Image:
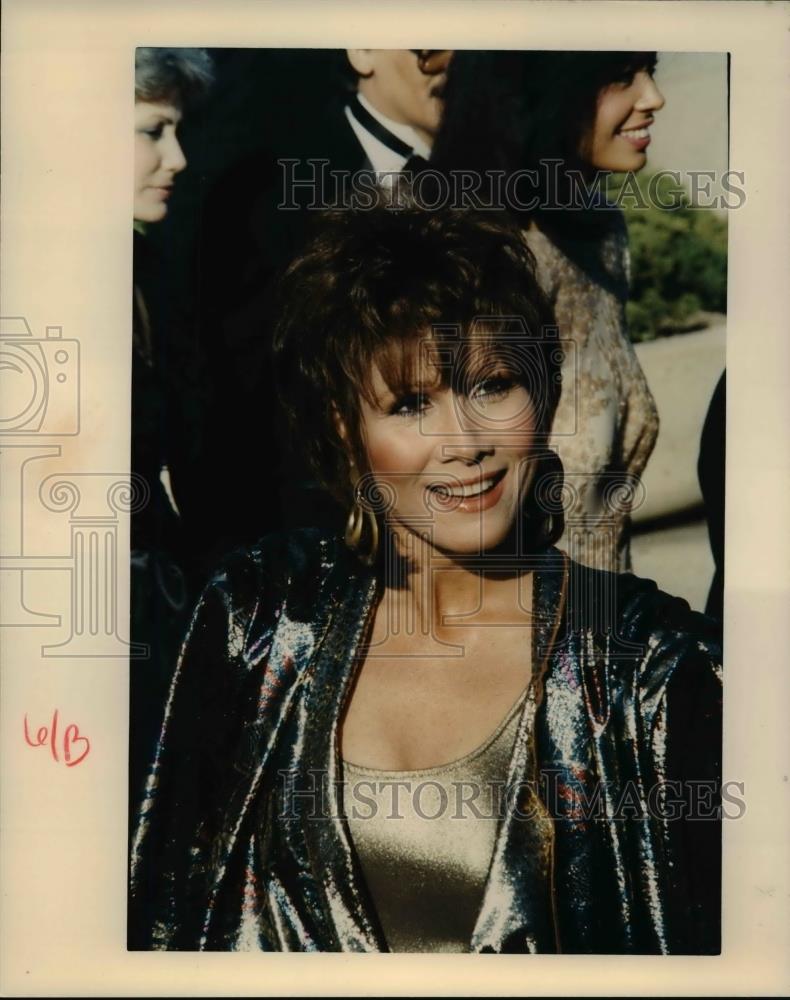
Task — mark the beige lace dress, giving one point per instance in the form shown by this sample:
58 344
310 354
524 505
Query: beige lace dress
606 423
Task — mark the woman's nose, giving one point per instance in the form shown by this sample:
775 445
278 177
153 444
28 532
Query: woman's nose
463 435
174 159
650 97
469 455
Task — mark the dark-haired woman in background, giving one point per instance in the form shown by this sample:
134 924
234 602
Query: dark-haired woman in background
569 116
164 398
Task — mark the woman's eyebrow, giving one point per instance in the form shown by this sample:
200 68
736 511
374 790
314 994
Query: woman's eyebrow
416 386
160 118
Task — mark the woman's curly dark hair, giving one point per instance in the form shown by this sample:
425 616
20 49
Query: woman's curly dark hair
375 286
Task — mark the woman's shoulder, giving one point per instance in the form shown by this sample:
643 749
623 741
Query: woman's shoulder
639 610
646 652
594 257
550 261
279 559
286 576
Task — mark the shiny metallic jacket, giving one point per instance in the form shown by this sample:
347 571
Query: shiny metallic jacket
241 842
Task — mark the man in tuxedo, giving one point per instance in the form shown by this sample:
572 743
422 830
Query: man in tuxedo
252 224
398 104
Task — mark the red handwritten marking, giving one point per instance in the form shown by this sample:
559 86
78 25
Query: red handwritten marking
71 736
69 740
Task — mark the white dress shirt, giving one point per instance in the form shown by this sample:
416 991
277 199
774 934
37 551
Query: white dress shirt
386 161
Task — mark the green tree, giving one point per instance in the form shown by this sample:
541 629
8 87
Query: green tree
678 257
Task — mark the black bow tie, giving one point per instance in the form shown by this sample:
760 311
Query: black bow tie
414 162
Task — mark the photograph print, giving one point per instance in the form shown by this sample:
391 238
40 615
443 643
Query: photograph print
428 402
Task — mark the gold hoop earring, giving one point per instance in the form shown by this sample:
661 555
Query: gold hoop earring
353 534
355 526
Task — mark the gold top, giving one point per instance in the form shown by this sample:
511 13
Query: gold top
425 840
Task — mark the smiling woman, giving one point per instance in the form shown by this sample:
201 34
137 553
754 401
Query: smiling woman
421 736
480 411
623 117
565 120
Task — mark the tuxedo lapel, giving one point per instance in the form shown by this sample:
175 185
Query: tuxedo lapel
333 139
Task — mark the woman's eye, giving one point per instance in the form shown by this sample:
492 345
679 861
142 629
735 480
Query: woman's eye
492 389
155 133
409 405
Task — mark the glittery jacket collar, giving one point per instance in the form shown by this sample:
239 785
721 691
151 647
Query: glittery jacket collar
241 843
